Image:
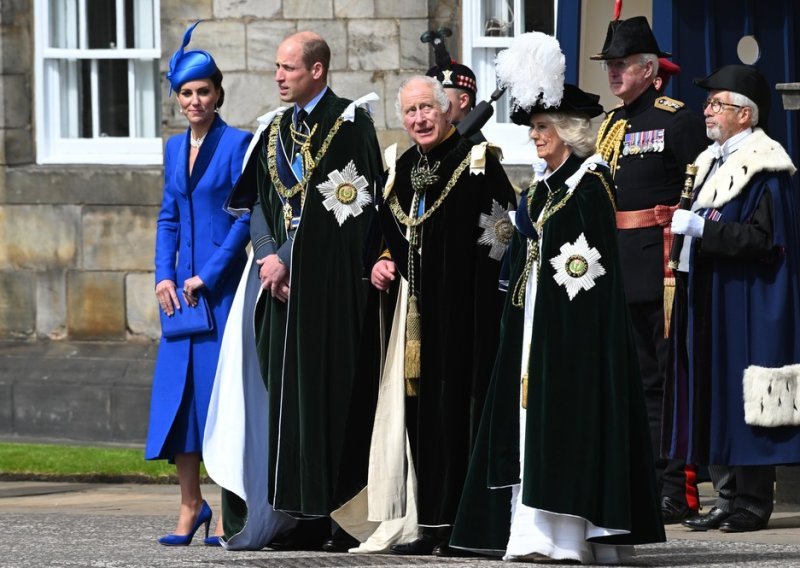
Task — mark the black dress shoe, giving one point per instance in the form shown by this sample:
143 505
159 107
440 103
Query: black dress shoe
743 521
423 546
306 535
340 542
674 511
712 520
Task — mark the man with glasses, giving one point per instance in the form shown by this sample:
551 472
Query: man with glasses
741 249
648 141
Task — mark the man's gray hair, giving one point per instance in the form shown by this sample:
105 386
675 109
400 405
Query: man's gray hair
645 57
438 93
744 101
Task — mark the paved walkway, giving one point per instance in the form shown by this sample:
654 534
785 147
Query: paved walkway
115 526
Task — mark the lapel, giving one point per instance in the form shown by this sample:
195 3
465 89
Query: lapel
206 152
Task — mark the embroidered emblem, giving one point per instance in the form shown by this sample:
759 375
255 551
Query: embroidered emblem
345 192
668 104
447 77
497 230
577 267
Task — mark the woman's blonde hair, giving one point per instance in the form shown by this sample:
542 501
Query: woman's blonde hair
576 131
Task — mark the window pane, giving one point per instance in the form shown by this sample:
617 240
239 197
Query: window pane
101 23
148 107
540 16
497 18
73 111
112 88
64 23
139 29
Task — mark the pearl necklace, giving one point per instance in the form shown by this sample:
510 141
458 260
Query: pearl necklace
196 142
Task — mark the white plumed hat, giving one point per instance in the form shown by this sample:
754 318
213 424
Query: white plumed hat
532 69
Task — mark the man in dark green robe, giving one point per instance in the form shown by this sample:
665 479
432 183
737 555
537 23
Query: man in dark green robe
444 224
312 177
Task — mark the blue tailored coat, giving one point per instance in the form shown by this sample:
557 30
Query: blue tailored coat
195 236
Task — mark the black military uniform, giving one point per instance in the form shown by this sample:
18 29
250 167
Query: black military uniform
648 144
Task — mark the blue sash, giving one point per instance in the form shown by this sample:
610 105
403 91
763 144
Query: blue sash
288 178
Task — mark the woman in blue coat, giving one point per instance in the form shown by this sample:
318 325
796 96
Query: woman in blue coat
200 251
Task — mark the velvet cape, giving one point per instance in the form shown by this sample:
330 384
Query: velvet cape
195 236
587 450
460 306
741 312
308 347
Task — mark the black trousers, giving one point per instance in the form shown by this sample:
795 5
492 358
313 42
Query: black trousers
750 487
675 480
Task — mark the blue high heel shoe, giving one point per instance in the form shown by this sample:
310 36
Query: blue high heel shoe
204 518
213 541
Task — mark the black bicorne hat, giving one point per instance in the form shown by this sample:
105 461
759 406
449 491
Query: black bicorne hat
574 101
625 37
455 75
743 79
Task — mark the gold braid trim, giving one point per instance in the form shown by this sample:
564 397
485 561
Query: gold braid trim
607 187
609 140
401 216
309 165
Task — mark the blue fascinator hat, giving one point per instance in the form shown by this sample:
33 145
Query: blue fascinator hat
189 65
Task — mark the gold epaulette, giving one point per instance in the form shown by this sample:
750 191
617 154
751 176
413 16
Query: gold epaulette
669 104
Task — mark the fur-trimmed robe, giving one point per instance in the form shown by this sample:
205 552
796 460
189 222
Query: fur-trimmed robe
744 306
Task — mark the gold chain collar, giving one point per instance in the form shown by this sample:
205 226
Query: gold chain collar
401 216
309 164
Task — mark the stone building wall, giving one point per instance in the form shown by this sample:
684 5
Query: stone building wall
76 242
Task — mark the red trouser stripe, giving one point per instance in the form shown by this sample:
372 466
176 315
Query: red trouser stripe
692 497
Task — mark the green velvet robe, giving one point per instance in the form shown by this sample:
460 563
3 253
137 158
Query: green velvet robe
587 448
456 279
308 347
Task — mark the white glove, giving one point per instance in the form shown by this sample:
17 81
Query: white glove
687 223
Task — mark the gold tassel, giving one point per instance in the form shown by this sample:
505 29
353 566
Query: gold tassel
413 347
669 296
524 393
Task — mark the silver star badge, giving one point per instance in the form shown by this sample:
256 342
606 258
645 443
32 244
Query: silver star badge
345 192
497 230
577 267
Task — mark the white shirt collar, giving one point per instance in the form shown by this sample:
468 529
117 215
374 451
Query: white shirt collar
731 144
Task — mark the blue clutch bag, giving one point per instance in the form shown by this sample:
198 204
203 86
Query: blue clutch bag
188 320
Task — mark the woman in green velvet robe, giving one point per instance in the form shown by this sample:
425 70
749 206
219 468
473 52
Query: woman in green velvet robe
564 432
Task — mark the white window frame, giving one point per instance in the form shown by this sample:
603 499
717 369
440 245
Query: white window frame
512 138
51 147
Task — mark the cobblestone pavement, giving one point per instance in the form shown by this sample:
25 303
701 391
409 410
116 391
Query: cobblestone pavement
115 526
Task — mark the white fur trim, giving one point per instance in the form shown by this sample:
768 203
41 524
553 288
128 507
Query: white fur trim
772 396
758 153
